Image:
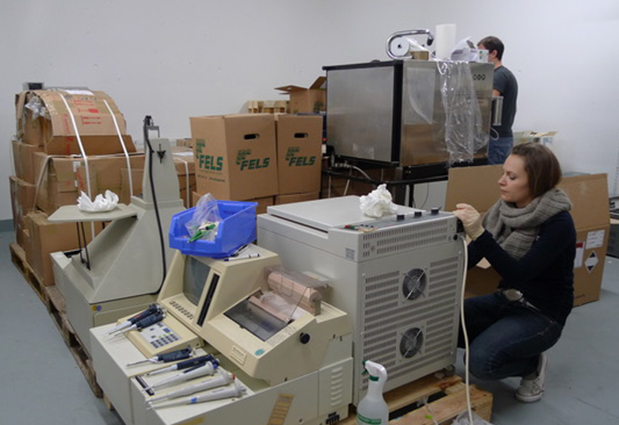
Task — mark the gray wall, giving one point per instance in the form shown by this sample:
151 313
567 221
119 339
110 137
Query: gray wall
173 60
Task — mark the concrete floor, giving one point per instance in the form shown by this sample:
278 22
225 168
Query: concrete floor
40 382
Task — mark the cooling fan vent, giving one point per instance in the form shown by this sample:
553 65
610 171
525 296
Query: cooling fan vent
414 284
411 342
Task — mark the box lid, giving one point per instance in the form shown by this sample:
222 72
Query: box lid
318 84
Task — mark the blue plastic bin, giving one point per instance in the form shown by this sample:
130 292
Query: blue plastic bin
238 227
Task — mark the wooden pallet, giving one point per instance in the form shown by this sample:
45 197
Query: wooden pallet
18 257
56 308
431 399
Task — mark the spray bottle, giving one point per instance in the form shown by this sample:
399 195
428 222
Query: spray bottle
372 409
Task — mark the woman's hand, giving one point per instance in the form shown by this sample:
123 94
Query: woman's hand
471 220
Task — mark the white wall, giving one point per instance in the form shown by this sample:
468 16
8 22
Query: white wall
173 60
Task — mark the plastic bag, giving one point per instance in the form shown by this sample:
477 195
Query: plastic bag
100 204
205 220
463 419
465 51
378 203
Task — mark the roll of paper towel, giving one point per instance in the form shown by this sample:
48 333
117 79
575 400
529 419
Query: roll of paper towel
445 40
399 46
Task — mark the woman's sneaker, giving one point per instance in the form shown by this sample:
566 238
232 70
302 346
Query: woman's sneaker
532 387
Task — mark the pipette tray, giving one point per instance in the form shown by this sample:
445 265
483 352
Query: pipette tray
236 228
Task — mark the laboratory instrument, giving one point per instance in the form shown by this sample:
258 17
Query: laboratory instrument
234 390
152 309
373 409
397 277
126 268
221 379
186 364
399 45
268 326
396 113
142 323
205 369
183 353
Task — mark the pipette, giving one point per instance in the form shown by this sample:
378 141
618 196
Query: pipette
223 378
234 390
143 323
206 369
186 364
183 353
152 309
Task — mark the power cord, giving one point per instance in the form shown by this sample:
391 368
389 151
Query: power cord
148 125
464 333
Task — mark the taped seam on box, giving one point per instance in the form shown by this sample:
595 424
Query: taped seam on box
122 143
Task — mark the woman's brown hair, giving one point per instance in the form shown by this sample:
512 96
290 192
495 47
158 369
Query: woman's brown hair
541 166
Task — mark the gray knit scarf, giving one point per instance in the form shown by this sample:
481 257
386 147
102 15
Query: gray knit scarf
515 229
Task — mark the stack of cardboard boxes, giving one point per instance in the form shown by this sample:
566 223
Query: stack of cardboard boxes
264 158
50 169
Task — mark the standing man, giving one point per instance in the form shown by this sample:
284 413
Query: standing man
505 84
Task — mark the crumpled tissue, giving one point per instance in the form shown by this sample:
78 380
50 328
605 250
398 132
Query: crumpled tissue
100 204
378 203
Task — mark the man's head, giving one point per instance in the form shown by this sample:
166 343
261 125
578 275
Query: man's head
492 45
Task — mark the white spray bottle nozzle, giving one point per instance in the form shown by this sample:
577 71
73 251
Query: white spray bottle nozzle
376 370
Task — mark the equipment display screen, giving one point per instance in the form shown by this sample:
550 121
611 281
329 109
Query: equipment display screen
194 278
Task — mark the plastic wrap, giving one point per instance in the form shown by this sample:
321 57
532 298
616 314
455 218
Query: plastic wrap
463 123
205 220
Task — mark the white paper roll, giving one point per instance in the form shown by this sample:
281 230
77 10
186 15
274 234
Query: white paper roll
445 40
399 46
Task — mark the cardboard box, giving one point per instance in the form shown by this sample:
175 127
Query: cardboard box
299 153
22 202
45 238
589 195
23 160
44 120
184 143
267 106
545 138
66 177
235 156
303 100
186 171
296 197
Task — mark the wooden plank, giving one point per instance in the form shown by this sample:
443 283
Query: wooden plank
449 400
18 257
56 309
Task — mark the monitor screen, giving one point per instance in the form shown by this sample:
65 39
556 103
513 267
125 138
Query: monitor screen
194 278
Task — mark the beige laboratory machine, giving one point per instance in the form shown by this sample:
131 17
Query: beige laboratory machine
289 351
122 269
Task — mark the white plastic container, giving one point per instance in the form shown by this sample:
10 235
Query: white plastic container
372 408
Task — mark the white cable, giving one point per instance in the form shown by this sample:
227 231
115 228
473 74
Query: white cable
466 337
122 143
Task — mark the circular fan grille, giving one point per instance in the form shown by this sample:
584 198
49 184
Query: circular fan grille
414 284
411 342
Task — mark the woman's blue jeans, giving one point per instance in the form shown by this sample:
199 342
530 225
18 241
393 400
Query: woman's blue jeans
505 338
